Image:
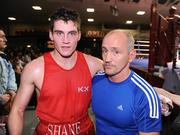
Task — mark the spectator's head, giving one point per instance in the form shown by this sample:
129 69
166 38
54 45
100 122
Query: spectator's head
172 11
3 40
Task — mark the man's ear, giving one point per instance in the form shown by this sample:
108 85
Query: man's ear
50 35
132 55
79 35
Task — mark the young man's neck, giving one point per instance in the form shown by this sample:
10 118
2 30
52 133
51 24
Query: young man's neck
65 62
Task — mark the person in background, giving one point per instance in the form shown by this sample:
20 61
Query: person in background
176 100
8 85
123 102
18 70
173 15
62 80
174 97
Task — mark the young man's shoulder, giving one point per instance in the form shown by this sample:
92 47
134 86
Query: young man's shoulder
93 60
95 64
35 64
90 57
33 72
37 61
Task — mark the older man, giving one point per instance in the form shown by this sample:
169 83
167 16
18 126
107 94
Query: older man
123 102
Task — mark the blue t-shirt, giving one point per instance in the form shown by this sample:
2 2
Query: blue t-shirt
125 108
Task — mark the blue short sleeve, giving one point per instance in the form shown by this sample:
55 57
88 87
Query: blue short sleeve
147 116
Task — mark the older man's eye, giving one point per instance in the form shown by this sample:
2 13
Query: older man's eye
104 51
117 52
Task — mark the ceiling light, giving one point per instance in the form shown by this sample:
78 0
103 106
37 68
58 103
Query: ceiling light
90 9
90 20
36 7
140 12
12 18
49 19
129 22
28 46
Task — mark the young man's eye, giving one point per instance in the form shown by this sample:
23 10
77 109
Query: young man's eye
59 33
73 33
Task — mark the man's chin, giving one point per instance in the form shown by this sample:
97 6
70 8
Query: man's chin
109 73
3 47
67 55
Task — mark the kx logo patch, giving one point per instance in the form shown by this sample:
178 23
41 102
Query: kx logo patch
83 89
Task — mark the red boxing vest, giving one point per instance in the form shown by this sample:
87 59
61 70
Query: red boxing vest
64 98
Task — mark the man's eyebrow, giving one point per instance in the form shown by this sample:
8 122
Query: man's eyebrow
58 31
67 31
115 48
73 31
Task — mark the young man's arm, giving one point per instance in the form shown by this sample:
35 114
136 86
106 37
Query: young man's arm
23 96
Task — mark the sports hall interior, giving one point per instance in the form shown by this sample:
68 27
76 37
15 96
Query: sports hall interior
156 31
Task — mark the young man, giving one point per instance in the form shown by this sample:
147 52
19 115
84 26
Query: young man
8 85
123 102
62 79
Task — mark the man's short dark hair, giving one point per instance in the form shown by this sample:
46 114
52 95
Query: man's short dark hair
66 15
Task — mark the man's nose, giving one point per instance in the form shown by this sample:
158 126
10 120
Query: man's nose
108 57
65 38
5 39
